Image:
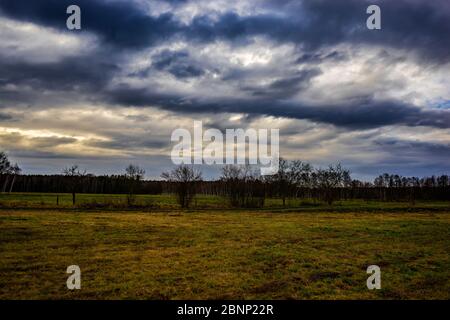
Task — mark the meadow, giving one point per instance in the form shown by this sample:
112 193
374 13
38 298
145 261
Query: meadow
305 251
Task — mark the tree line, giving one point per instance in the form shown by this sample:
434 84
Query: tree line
241 185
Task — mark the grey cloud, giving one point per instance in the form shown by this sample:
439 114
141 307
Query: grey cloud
131 142
122 24
16 139
285 87
418 26
413 25
77 76
178 63
415 150
319 57
408 158
49 142
357 114
5 117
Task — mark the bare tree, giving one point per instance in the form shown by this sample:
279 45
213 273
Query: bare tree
15 170
134 174
243 186
234 178
301 177
302 172
292 176
75 177
329 179
185 179
284 179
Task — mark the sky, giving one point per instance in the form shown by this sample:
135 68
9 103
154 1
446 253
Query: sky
112 93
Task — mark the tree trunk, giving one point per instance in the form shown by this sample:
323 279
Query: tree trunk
5 184
73 198
12 184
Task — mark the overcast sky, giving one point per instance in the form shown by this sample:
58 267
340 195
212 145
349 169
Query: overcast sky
111 94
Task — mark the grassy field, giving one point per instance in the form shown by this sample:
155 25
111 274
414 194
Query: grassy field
166 202
220 254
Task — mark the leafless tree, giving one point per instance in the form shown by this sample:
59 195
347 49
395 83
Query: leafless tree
185 178
331 178
134 174
76 178
284 179
243 186
291 178
15 170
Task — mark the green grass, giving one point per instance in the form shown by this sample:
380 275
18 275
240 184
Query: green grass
49 200
212 254
203 202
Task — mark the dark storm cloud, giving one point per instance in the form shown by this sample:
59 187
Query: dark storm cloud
412 25
75 75
293 84
5 116
231 27
407 24
121 23
285 87
315 58
131 142
415 25
361 114
62 75
415 149
413 157
177 63
372 114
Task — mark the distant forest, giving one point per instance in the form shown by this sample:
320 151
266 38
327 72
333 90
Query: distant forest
241 184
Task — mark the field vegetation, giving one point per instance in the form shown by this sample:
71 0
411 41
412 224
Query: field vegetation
307 251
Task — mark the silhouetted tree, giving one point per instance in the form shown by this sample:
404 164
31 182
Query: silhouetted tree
15 170
302 178
242 186
134 174
291 177
443 181
185 179
329 179
75 177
